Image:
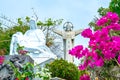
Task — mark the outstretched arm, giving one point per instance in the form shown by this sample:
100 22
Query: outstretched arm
13 45
57 32
78 32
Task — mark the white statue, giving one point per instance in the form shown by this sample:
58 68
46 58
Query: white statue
16 38
34 42
34 37
68 36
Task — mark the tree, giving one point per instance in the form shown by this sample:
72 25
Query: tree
47 27
6 34
114 6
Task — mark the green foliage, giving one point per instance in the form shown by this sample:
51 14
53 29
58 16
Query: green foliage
0 24
108 72
30 71
115 6
47 26
19 47
42 73
102 11
27 18
49 22
26 71
63 69
6 34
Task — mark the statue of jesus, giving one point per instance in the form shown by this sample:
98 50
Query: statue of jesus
68 36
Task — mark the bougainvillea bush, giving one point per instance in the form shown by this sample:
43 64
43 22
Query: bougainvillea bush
104 44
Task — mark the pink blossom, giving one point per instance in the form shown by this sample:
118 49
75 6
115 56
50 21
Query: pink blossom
83 66
103 35
22 52
76 51
119 59
99 62
108 52
96 36
72 52
26 78
113 17
85 77
102 21
116 38
114 26
92 64
87 33
94 58
116 42
92 44
95 55
2 58
16 79
84 52
103 45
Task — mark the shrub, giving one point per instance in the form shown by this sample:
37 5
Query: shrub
63 69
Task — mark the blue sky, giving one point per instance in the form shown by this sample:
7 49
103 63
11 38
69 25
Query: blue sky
79 12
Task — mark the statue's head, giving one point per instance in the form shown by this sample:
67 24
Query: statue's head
32 25
68 26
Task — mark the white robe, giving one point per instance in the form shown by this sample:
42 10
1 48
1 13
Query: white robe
34 42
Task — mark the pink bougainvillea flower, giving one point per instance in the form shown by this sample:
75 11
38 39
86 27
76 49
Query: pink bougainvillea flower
85 51
116 38
96 36
87 33
99 62
95 55
113 17
26 78
116 42
72 52
92 44
104 45
2 58
115 26
103 35
85 77
119 59
16 79
108 50
22 52
76 51
83 66
102 21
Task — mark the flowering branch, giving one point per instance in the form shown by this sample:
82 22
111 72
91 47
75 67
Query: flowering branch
104 46
117 62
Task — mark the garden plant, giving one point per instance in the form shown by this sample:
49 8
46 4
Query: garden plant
61 68
103 50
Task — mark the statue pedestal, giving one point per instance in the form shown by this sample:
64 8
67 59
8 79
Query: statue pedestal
41 59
